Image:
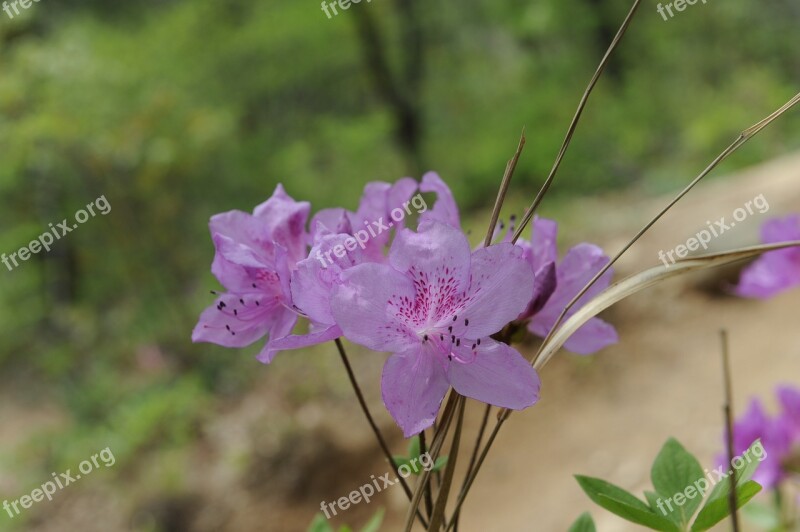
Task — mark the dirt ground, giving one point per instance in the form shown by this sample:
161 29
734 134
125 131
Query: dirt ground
255 468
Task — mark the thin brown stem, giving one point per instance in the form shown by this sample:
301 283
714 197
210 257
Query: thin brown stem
471 478
743 137
381 441
511 165
473 459
450 408
575 119
428 496
438 519
726 372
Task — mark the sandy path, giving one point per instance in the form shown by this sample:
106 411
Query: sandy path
608 415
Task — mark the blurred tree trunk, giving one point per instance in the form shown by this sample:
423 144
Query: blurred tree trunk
606 26
401 92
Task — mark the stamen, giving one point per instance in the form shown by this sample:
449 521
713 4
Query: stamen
466 323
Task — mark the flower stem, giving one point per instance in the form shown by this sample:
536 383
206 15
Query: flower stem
374 426
427 487
726 374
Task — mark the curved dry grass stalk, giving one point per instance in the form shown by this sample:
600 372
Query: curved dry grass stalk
638 282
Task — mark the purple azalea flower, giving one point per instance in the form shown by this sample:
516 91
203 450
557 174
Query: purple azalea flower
375 208
434 306
313 281
312 285
775 271
373 217
775 438
445 209
789 399
255 254
557 284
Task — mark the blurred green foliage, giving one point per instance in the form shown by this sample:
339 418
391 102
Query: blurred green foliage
176 110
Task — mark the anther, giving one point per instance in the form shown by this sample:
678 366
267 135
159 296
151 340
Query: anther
466 323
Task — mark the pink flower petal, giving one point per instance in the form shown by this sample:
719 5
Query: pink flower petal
413 386
498 375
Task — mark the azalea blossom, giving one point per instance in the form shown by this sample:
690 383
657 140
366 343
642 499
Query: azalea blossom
312 285
776 271
779 435
375 206
314 279
255 254
434 306
445 209
558 282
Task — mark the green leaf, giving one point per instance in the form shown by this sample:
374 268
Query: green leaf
717 509
320 524
652 500
374 524
345 528
400 460
440 463
745 473
675 474
583 524
413 447
619 502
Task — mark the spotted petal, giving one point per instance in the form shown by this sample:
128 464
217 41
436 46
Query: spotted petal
413 386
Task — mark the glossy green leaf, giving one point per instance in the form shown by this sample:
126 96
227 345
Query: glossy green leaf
717 509
675 474
374 524
320 524
583 524
619 502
